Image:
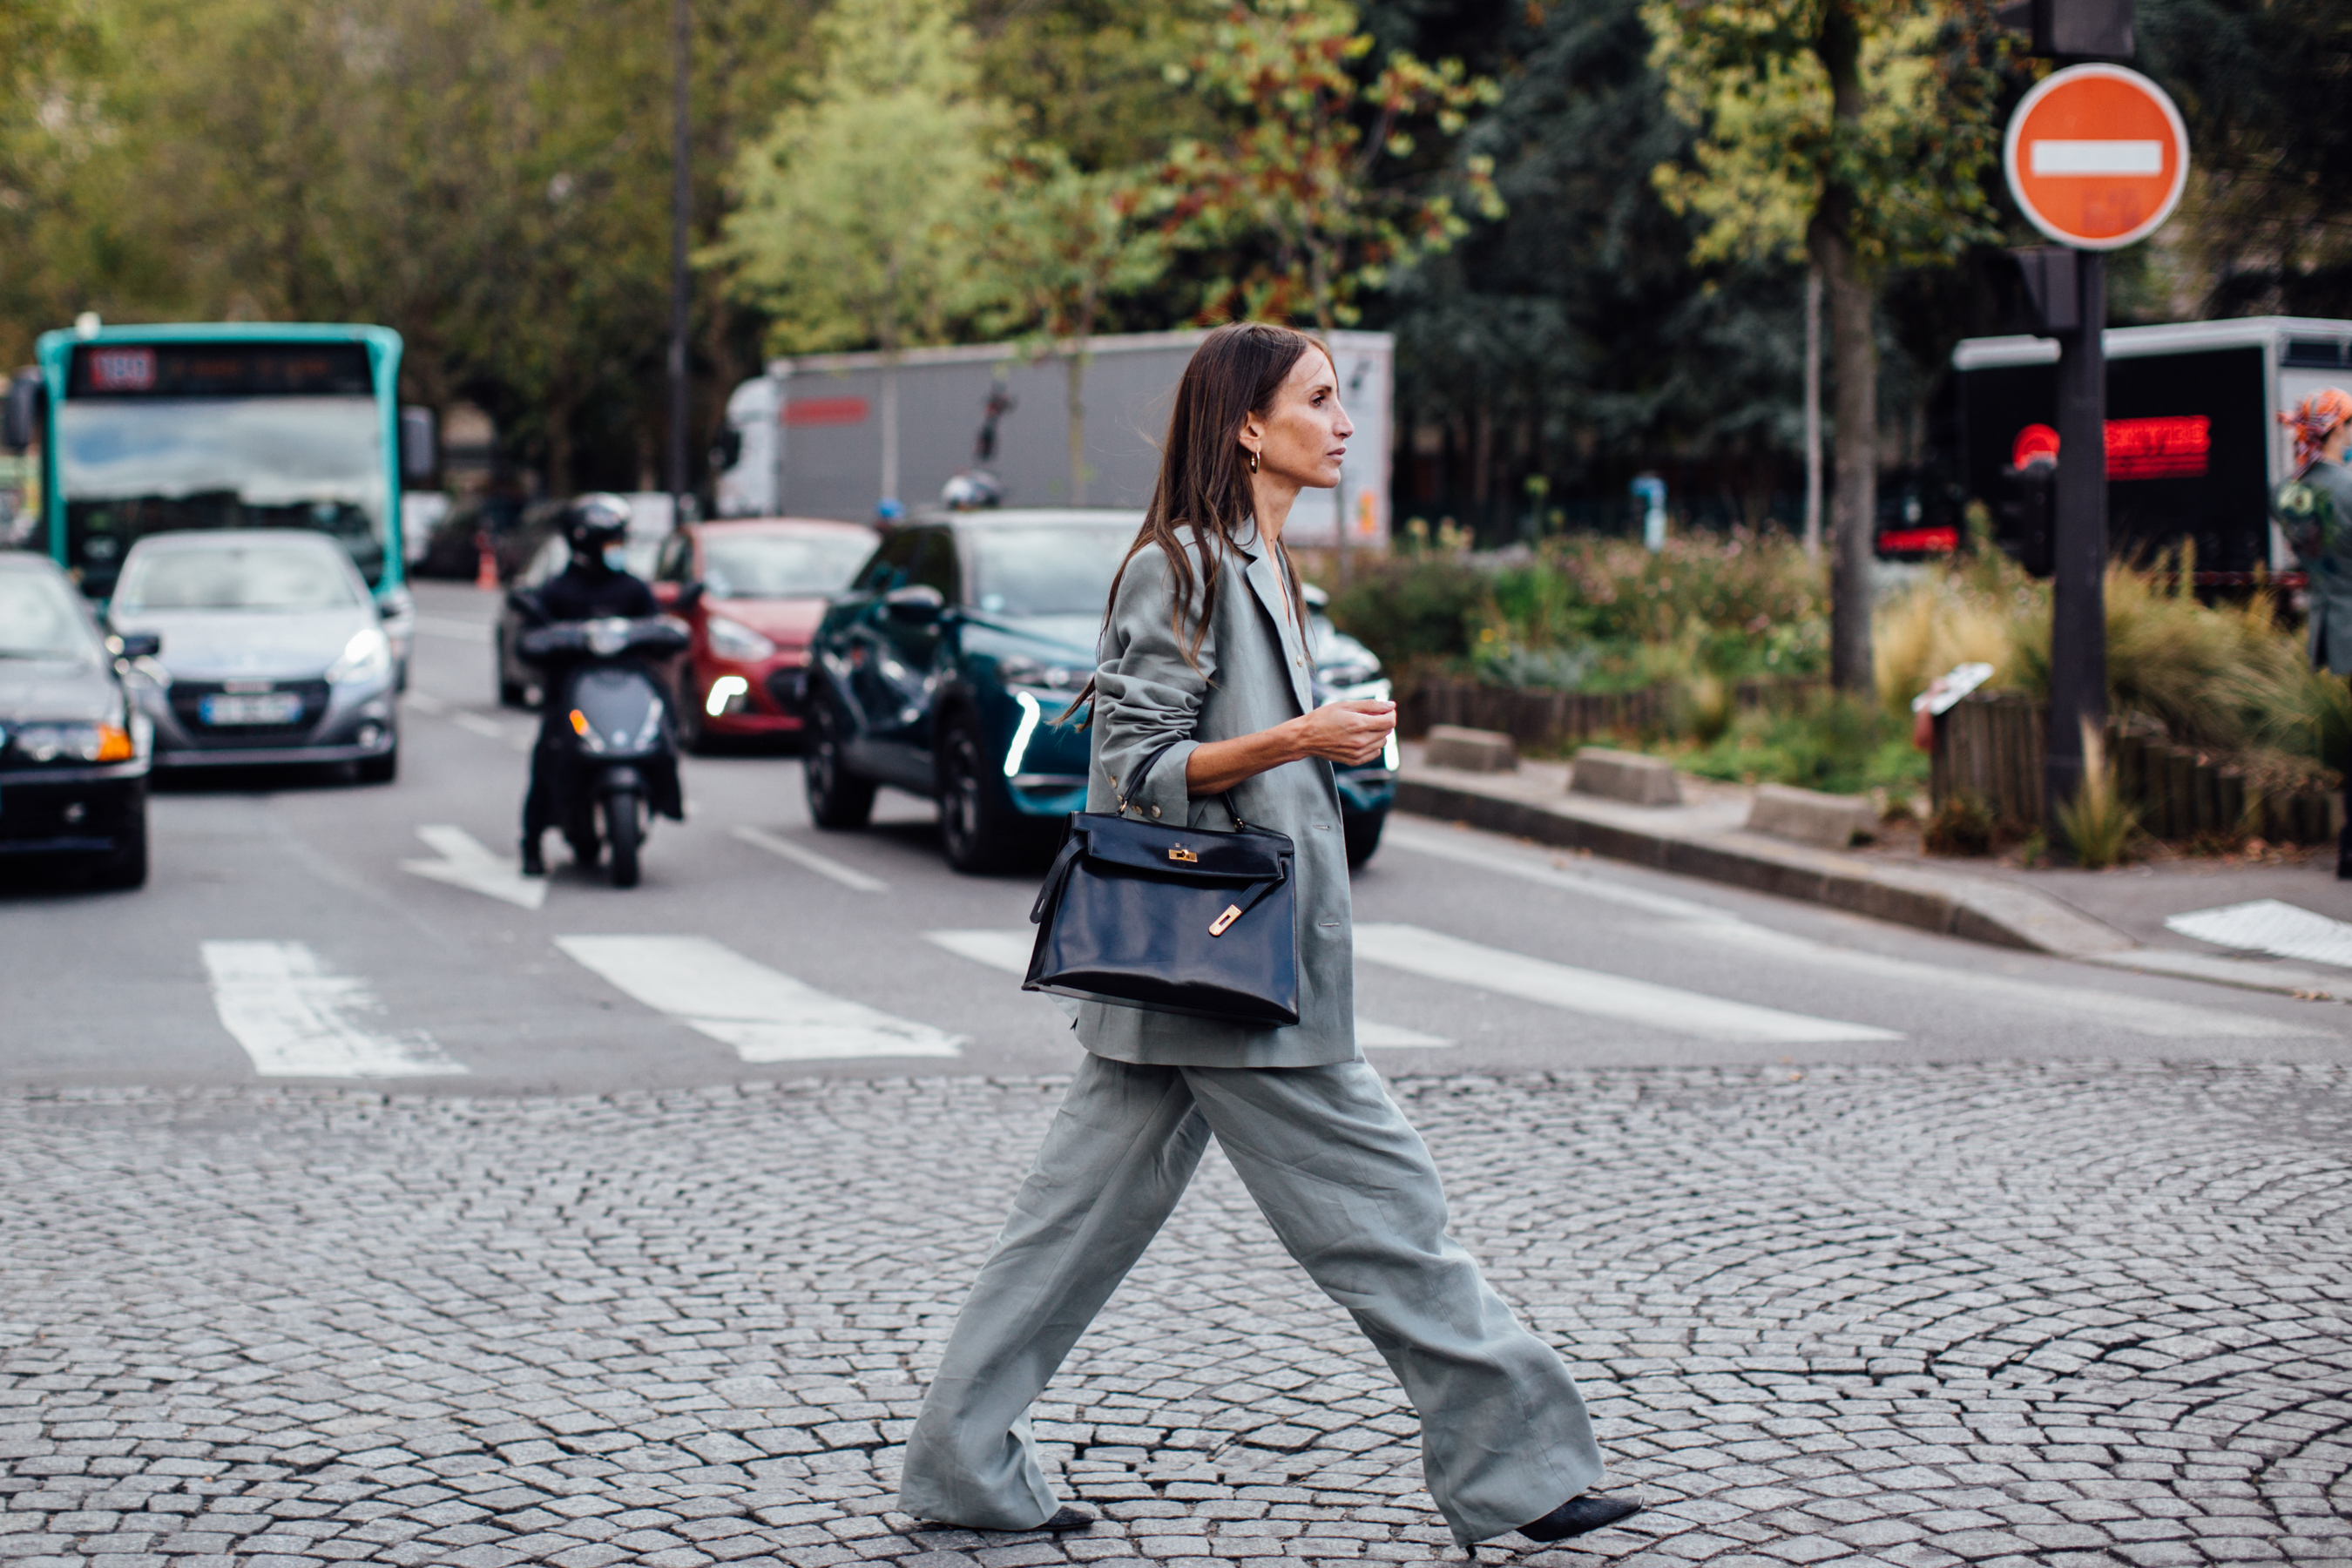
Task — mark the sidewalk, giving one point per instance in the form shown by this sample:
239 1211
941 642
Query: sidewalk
2115 917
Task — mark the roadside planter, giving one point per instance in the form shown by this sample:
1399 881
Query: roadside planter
1988 747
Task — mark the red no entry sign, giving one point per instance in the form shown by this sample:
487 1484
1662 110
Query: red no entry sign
2098 156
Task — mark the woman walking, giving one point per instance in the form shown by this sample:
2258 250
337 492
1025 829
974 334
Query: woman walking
1203 689
2323 430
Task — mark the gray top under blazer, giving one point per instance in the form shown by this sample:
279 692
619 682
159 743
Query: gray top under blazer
1253 672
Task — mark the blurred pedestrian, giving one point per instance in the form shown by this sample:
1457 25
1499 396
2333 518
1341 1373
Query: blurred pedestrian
1205 675
2318 505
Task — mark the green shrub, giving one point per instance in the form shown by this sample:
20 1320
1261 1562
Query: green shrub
2097 825
1961 826
1832 742
1412 608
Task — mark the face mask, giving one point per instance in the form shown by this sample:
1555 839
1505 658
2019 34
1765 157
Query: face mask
616 558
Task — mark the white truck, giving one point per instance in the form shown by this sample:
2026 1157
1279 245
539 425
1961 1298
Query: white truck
2194 441
838 435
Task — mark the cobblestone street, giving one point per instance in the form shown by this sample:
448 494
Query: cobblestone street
1994 1314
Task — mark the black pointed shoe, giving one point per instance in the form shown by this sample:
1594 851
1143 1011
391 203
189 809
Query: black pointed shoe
1579 1516
1067 1518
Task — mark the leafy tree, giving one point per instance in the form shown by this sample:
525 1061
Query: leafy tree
861 211
2263 85
1290 190
1856 132
1293 175
1573 341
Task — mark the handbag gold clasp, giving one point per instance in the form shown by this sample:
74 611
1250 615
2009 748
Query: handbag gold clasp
1186 856
1217 926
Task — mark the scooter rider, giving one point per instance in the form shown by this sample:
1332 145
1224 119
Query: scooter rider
595 584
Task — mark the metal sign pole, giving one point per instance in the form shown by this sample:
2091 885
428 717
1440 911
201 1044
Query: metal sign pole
681 214
2078 621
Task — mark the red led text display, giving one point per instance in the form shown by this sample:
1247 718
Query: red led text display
2175 446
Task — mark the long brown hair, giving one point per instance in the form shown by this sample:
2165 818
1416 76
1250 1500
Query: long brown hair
1203 483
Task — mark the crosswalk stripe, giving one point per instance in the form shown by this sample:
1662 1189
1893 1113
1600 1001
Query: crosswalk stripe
1663 1007
1703 924
466 862
1008 950
765 1014
2270 925
489 729
297 1019
823 864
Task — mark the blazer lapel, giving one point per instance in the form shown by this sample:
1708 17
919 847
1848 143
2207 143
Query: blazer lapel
1261 572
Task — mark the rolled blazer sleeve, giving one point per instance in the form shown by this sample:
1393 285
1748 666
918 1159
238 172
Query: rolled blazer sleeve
1147 693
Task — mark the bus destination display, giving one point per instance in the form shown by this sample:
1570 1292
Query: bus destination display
219 370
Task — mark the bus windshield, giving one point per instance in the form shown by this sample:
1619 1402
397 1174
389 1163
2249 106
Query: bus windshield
130 467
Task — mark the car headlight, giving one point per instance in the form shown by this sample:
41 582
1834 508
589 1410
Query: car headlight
73 743
732 640
1020 671
367 657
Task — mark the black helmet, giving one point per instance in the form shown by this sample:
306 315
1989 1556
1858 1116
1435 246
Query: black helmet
593 521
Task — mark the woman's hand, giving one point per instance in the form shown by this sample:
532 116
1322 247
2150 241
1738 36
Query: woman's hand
1349 733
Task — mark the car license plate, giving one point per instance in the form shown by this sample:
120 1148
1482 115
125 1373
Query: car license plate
259 708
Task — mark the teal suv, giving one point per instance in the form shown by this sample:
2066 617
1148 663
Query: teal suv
946 668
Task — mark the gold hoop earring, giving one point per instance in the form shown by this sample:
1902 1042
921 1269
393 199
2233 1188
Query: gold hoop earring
1253 456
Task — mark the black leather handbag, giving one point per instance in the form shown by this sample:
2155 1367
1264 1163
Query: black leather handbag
1172 920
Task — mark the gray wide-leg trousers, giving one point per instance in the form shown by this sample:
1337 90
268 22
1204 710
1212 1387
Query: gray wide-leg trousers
1349 1188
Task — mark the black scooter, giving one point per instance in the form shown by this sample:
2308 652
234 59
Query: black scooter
616 755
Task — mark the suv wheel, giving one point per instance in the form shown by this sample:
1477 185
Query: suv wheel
838 798
978 827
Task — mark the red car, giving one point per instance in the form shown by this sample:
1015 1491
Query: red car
752 589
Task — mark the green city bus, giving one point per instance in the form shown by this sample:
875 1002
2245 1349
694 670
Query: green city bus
149 429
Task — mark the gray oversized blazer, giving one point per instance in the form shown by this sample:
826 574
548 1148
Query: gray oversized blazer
1255 671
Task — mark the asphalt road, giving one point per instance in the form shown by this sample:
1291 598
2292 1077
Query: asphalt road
303 927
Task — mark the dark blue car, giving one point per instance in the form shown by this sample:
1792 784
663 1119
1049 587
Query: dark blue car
945 668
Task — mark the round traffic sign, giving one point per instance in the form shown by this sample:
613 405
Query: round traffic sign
2098 156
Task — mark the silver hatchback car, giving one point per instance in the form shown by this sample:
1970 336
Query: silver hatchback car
273 651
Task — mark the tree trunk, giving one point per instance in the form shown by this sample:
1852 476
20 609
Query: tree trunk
1854 352
1075 366
890 430
1813 411
559 447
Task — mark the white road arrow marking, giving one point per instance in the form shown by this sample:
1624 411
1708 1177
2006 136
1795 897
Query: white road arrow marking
767 1016
1588 991
2270 925
465 863
1008 950
849 876
295 1019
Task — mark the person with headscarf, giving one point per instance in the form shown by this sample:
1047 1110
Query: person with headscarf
2316 505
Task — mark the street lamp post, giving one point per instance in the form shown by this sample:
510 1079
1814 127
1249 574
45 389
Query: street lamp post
681 212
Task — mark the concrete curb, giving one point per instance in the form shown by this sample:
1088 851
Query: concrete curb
1698 844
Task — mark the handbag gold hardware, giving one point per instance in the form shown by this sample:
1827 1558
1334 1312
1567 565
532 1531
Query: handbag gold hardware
1233 912
1186 856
